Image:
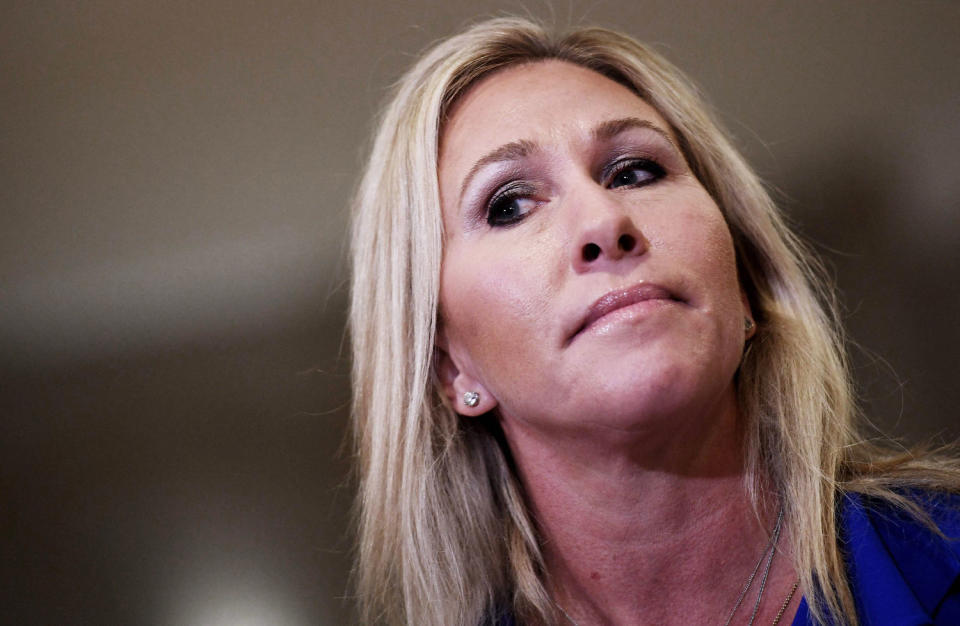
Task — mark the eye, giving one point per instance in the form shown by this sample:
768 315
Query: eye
634 173
510 206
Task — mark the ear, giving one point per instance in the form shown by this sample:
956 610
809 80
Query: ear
750 325
457 383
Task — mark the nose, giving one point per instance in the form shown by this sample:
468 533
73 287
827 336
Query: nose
605 237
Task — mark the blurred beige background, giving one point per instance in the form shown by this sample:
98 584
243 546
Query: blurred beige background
173 201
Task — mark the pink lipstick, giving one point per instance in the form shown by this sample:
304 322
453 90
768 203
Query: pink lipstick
619 299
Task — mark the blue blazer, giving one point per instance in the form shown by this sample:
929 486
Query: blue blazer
901 573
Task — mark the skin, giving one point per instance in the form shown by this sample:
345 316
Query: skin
624 432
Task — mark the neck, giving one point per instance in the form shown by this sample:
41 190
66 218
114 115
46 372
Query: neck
641 529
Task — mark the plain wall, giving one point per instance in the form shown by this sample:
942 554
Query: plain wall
175 182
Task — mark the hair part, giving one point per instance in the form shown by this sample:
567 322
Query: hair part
444 532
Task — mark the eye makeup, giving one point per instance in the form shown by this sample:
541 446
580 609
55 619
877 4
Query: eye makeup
639 144
624 173
510 204
620 155
494 189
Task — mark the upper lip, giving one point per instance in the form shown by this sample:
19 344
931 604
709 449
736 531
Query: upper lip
619 298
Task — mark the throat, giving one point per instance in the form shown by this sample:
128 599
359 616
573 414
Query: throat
640 553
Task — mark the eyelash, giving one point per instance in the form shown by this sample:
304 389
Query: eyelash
502 199
514 191
655 170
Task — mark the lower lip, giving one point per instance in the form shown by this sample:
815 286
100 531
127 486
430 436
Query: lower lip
638 310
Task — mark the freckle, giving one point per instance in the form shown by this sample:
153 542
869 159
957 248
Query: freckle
595 575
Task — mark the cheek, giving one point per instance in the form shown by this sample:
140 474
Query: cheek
494 305
699 239
713 259
697 236
717 267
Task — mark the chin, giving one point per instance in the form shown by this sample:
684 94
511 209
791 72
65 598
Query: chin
641 395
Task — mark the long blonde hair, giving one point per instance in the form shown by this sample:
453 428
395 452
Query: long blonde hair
444 534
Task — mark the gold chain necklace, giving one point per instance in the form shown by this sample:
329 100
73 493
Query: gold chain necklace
786 603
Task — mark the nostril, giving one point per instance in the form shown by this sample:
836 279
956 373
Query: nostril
590 252
626 242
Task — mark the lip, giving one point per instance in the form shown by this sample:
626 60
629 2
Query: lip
619 299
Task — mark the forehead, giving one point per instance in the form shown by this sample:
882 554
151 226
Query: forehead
545 102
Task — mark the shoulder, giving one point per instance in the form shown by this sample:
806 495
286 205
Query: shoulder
901 571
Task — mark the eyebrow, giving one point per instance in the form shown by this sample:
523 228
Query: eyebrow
516 150
604 131
513 151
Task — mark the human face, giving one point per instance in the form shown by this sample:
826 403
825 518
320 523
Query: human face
588 278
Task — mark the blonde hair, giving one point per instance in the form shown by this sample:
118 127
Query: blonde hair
444 534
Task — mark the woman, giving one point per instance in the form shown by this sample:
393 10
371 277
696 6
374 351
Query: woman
593 378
